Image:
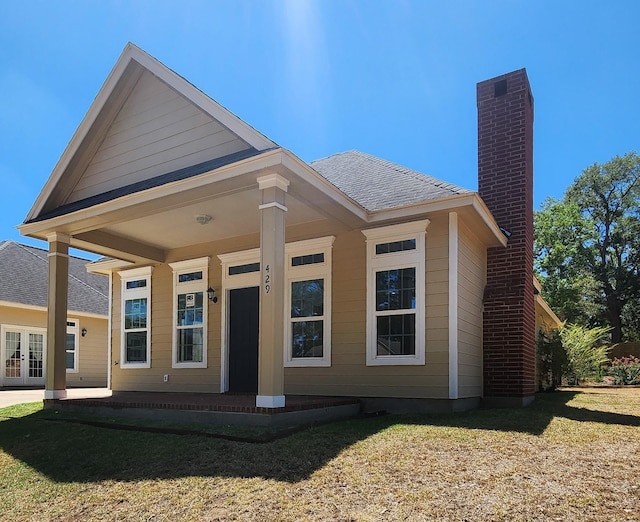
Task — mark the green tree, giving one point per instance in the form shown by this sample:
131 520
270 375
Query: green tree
587 248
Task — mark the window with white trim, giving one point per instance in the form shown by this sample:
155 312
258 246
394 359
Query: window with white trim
190 283
72 346
396 294
135 349
308 303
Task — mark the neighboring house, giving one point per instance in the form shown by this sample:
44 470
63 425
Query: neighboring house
237 267
23 320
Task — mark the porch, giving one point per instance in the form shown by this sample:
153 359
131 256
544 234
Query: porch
212 408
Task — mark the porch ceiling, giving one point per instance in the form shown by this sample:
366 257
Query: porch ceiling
232 215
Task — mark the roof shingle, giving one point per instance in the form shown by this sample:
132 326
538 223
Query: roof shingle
24 280
377 184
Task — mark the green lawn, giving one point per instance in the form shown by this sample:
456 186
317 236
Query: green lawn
571 455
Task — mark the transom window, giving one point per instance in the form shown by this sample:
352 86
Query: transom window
395 246
244 269
396 294
136 318
190 313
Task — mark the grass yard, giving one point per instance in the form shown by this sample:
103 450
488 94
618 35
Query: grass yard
573 455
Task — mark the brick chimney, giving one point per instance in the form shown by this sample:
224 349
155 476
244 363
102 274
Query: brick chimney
505 183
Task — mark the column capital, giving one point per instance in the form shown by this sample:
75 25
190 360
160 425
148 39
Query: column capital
59 237
273 180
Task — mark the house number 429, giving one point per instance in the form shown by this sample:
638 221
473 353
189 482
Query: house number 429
267 279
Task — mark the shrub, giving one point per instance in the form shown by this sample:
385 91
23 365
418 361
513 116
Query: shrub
625 370
586 350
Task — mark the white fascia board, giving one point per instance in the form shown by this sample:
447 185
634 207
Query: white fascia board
106 267
480 207
545 306
471 199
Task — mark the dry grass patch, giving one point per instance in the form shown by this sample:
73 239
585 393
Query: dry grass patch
570 455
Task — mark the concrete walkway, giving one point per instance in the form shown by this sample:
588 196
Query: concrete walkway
20 396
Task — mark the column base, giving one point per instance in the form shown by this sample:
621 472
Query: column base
55 394
270 401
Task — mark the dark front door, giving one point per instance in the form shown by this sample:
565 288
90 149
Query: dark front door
243 339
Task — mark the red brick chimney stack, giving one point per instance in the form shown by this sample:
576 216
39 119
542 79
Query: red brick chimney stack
505 183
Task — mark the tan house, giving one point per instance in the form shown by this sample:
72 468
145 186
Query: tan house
23 320
234 266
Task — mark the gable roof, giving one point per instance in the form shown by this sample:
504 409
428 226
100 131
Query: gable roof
187 111
24 272
377 184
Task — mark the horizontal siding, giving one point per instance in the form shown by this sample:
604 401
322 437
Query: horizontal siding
92 349
92 354
348 374
471 282
157 131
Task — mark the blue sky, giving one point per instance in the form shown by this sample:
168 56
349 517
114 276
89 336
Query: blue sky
395 79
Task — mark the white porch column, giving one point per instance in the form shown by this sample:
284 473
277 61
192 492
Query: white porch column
273 188
56 373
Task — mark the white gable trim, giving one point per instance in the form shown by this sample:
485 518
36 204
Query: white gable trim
132 53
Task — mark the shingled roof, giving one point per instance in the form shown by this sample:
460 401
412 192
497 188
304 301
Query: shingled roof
377 184
24 275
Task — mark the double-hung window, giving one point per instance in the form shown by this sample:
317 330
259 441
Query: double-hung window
308 298
136 318
396 294
190 283
72 346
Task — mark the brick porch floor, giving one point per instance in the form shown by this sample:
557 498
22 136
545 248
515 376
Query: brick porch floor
207 402
213 408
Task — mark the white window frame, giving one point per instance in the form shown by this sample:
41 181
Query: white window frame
321 270
201 285
135 293
394 261
73 329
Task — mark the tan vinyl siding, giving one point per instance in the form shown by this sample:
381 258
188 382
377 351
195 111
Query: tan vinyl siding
200 380
471 282
156 132
92 356
92 349
348 374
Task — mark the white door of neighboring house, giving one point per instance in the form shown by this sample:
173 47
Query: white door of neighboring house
23 352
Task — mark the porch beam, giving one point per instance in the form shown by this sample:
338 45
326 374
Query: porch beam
56 373
117 246
272 265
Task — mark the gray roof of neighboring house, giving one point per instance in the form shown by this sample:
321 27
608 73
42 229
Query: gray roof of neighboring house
376 184
24 275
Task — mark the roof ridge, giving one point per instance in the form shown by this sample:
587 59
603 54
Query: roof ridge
5 242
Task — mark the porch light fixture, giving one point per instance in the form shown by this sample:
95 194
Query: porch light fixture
84 332
203 219
211 294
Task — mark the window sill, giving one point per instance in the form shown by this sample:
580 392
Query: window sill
391 360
